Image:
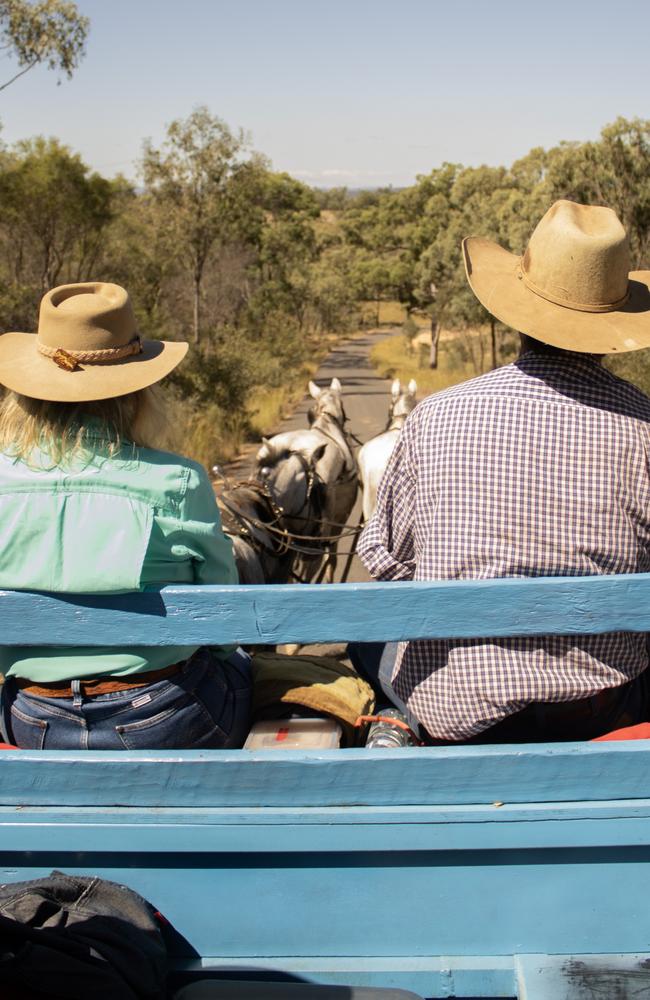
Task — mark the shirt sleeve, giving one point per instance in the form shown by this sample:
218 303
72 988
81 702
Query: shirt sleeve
386 545
211 550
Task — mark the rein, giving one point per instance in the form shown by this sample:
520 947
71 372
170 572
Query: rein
241 523
281 538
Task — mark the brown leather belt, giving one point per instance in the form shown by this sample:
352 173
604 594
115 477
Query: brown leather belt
92 686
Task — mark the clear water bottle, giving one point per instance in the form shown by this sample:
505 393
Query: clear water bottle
386 735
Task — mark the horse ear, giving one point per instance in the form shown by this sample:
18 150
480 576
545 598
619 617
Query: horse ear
396 388
335 385
413 387
314 390
264 452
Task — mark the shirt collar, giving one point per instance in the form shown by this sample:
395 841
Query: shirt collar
585 364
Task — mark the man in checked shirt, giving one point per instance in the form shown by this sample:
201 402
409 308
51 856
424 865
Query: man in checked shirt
540 468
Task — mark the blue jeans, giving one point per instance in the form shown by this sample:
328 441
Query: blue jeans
207 704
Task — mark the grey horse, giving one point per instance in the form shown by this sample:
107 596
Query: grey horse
325 446
262 516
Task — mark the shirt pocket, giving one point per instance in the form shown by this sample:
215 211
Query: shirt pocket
73 542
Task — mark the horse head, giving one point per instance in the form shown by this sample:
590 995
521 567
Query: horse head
401 404
289 476
327 402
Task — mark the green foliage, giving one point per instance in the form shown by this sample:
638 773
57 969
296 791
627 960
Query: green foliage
142 248
262 270
332 199
53 225
52 32
409 242
410 329
192 179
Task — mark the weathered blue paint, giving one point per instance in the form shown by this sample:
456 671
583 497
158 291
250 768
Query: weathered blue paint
158 831
449 871
339 778
368 612
583 977
446 976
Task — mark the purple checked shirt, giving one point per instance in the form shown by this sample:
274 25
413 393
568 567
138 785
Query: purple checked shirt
540 468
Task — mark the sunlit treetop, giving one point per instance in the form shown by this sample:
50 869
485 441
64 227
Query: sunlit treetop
52 32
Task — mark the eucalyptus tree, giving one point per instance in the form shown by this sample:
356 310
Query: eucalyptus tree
55 212
192 178
614 171
144 258
51 32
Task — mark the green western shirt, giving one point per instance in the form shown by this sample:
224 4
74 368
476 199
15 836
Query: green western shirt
106 525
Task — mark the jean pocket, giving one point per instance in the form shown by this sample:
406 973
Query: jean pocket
185 725
28 732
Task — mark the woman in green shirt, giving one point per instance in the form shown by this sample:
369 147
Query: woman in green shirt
87 506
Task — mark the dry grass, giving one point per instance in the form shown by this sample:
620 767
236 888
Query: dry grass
633 367
391 314
205 433
273 405
392 359
212 437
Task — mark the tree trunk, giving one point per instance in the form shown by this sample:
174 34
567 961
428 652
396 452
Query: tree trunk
493 341
435 339
196 316
480 368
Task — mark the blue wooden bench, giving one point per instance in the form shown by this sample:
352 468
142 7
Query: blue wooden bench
466 871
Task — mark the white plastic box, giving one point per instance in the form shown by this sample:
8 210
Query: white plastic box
294 734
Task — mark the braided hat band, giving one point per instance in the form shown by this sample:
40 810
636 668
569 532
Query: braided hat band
86 348
70 360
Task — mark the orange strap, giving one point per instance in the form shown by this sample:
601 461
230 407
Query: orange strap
364 720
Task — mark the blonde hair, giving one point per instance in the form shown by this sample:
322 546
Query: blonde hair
56 433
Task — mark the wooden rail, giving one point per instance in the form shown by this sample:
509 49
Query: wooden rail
367 612
464 871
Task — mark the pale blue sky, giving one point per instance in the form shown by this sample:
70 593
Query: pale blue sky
363 92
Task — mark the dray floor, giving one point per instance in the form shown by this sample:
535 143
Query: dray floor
465 871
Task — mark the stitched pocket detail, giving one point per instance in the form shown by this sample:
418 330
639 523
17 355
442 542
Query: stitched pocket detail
28 732
184 725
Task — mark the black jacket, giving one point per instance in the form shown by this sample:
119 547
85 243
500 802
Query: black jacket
81 937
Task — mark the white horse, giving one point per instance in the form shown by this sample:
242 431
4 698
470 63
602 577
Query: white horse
374 455
261 516
324 444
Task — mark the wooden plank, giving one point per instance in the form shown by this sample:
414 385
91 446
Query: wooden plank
366 612
366 905
163 831
435 976
583 977
572 772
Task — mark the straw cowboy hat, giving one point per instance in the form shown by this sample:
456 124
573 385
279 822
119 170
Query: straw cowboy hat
87 347
572 288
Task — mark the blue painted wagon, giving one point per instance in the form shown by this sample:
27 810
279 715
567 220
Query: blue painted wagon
516 871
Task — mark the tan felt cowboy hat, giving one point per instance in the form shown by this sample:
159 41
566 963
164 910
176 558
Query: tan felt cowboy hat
87 347
572 288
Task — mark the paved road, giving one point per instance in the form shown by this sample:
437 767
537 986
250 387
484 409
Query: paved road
366 398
